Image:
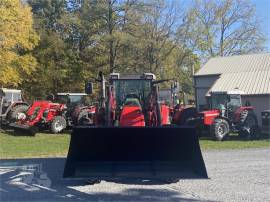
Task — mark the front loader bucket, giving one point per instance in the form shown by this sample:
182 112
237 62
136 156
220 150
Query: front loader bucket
24 129
136 152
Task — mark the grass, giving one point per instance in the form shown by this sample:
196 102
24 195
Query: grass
234 143
49 145
42 145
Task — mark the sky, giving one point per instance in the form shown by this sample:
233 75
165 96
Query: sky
263 13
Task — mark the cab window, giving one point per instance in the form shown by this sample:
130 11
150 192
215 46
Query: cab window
17 97
8 97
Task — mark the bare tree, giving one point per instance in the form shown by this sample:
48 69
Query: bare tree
226 27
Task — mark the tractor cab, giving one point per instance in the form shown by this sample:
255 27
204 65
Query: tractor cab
130 94
71 98
225 101
130 89
10 96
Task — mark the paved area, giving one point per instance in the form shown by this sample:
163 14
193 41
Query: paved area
235 175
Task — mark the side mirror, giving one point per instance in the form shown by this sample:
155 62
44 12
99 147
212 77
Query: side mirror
89 88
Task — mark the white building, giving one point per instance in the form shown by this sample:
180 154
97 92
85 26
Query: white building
248 73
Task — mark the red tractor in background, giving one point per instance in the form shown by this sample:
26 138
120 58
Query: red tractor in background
12 105
225 115
56 113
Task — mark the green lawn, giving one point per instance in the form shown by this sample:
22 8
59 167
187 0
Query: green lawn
42 145
49 145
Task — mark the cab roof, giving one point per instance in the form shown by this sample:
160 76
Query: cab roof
71 94
7 90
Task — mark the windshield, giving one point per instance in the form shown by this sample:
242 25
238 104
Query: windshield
219 101
72 99
223 100
17 97
135 88
8 97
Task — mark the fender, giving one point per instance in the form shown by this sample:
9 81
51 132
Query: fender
237 114
19 103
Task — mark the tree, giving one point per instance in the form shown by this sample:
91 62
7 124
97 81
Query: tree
227 27
17 39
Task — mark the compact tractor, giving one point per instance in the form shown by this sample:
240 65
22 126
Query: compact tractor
226 115
12 105
132 135
56 113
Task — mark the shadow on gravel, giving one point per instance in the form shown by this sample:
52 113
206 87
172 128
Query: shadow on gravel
41 180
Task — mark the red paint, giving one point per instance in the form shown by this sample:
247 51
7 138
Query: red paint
132 116
209 116
38 108
165 112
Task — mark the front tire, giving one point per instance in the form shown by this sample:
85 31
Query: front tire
58 124
220 129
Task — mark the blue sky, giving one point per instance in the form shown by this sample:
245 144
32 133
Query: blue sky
263 12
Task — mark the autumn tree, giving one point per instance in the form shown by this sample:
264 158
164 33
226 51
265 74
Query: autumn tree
17 39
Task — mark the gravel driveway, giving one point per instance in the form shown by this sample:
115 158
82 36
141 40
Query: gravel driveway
235 175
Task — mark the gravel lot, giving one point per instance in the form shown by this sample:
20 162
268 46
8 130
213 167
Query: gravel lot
235 175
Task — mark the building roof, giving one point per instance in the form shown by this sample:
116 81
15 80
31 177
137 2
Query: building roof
248 73
240 63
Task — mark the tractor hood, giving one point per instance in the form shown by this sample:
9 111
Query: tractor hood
209 116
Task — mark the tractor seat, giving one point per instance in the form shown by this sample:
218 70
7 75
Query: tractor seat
131 114
132 102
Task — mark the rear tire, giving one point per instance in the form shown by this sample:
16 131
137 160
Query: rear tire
58 124
84 118
250 128
220 129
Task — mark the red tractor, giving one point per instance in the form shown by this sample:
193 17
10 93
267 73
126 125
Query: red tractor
12 105
227 115
67 109
132 135
40 115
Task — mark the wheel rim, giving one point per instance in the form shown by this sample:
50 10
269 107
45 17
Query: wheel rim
58 126
221 130
20 116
